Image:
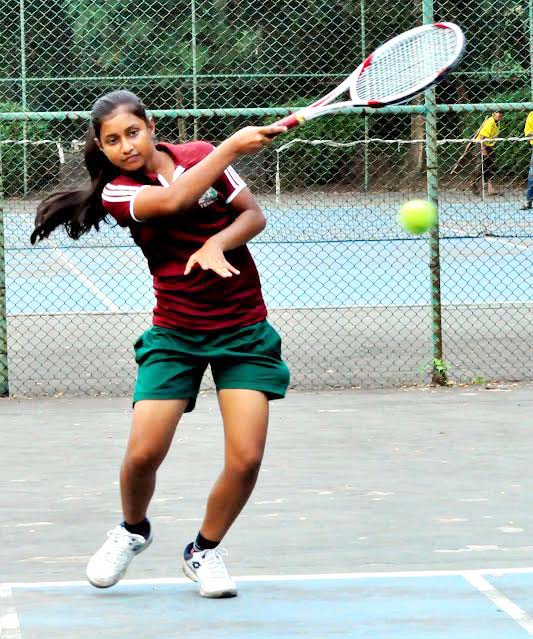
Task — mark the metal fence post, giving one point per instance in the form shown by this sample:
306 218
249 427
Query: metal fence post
363 56
438 372
4 386
530 20
24 95
194 65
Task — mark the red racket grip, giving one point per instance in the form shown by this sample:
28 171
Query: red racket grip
290 121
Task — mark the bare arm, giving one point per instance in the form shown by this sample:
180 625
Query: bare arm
156 201
250 222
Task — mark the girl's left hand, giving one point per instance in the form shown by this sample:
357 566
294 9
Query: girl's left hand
211 257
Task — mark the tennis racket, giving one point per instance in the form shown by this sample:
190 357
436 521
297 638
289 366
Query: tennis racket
398 70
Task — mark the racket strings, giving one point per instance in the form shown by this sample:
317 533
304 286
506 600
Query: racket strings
400 69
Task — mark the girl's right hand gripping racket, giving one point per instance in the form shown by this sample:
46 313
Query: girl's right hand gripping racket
398 70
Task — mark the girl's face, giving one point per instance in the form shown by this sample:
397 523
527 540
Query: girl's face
126 140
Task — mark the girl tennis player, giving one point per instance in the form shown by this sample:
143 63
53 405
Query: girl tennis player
191 214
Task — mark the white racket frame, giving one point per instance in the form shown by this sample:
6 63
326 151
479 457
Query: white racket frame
323 106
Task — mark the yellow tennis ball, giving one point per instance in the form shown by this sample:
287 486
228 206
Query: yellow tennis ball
417 216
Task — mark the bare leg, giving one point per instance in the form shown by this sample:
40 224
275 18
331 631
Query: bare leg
245 415
154 425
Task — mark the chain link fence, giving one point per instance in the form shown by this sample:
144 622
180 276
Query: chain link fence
357 300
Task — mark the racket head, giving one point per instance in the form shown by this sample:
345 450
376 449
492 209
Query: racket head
407 64
403 67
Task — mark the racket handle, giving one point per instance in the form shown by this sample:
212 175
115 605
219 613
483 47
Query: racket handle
290 121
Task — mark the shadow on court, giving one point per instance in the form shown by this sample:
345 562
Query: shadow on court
378 514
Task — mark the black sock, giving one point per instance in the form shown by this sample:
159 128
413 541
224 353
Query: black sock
142 528
202 543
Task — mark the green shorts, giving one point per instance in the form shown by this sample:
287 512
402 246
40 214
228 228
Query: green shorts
172 362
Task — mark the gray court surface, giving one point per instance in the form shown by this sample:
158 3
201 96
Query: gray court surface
364 499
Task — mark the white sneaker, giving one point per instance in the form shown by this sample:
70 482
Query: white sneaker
109 564
208 569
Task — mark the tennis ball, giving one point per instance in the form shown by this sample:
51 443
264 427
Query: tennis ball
417 216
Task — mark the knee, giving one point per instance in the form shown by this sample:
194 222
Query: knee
143 459
246 463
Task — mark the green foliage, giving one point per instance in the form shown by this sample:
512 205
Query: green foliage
494 45
280 47
120 38
512 158
440 367
317 165
259 52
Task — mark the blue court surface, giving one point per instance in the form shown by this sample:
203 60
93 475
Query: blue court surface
412 605
432 486
307 259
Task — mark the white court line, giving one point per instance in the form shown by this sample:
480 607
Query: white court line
338 410
521 245
502 602
63 259
9 621
307 577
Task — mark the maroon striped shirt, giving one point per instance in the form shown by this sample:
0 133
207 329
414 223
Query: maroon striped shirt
202 300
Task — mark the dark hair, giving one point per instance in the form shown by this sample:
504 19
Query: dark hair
80 211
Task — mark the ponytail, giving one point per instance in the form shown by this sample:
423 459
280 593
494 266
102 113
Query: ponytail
78 211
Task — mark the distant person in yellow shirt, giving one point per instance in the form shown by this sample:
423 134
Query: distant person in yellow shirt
485 153
528 133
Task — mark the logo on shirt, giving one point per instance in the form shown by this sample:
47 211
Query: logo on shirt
208 198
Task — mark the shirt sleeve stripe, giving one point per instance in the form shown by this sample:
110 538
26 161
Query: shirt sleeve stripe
121 187
230 177
113 193
132 213
118 198
236 192
234 178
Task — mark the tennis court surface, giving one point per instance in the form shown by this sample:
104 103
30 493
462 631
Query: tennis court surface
386 514
326 252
